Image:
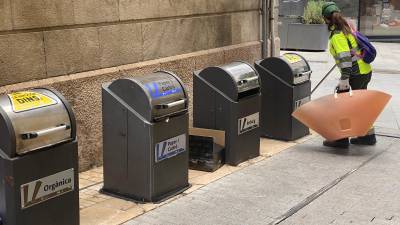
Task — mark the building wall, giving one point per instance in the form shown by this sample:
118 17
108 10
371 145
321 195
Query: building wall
42 38
76 45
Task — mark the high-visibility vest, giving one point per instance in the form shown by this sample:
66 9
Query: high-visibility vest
347 57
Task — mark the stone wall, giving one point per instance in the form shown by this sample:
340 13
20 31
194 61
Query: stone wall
83 90
76 45
42 38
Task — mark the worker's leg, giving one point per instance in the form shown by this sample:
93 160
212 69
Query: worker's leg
369 139
361 82
342 143
357 82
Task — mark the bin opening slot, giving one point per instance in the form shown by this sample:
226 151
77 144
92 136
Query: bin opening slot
170 115
248 93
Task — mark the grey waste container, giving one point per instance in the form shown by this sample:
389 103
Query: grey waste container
145 137
228 98
38 159
286 85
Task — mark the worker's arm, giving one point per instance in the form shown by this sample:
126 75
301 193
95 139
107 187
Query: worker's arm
341 47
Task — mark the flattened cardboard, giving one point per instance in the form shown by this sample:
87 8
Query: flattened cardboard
207 149
218 135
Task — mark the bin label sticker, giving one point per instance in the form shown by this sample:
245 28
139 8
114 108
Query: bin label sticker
292 58
28 100
248 123
170 148
162 88
301 102
46 188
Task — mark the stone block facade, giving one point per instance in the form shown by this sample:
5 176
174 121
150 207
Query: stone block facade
86 35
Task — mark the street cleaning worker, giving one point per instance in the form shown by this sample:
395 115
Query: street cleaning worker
355 73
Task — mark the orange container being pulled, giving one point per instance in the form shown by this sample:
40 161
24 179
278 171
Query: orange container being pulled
343 115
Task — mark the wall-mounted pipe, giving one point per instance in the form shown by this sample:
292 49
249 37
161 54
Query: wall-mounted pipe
265 25
272 18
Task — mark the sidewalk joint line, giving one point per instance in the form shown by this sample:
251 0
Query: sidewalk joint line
323 190
395 136
89 186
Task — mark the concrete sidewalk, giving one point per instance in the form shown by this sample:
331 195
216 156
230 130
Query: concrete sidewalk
309 184
99 209
370 195
323 184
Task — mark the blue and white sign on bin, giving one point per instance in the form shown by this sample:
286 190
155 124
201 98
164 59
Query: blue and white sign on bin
170 148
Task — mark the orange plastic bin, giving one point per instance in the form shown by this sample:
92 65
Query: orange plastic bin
343 115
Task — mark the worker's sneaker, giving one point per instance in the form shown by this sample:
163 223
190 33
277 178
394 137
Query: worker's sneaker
342 143
366 140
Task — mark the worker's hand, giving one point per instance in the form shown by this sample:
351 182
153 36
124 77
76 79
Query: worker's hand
344 85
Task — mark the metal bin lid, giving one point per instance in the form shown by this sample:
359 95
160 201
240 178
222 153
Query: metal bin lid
236 80
34 119
290 67
154 96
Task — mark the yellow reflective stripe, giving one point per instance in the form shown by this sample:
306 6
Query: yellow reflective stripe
355 58
343 55
345 65
347 56
346 59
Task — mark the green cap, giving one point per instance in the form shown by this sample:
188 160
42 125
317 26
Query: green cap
328 8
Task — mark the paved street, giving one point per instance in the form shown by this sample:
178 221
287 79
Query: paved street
308 184
355 187
368 196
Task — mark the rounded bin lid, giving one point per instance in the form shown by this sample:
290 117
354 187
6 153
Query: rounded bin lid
234 79
34 119
154 96
287 66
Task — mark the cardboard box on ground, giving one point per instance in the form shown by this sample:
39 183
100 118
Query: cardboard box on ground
207 149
